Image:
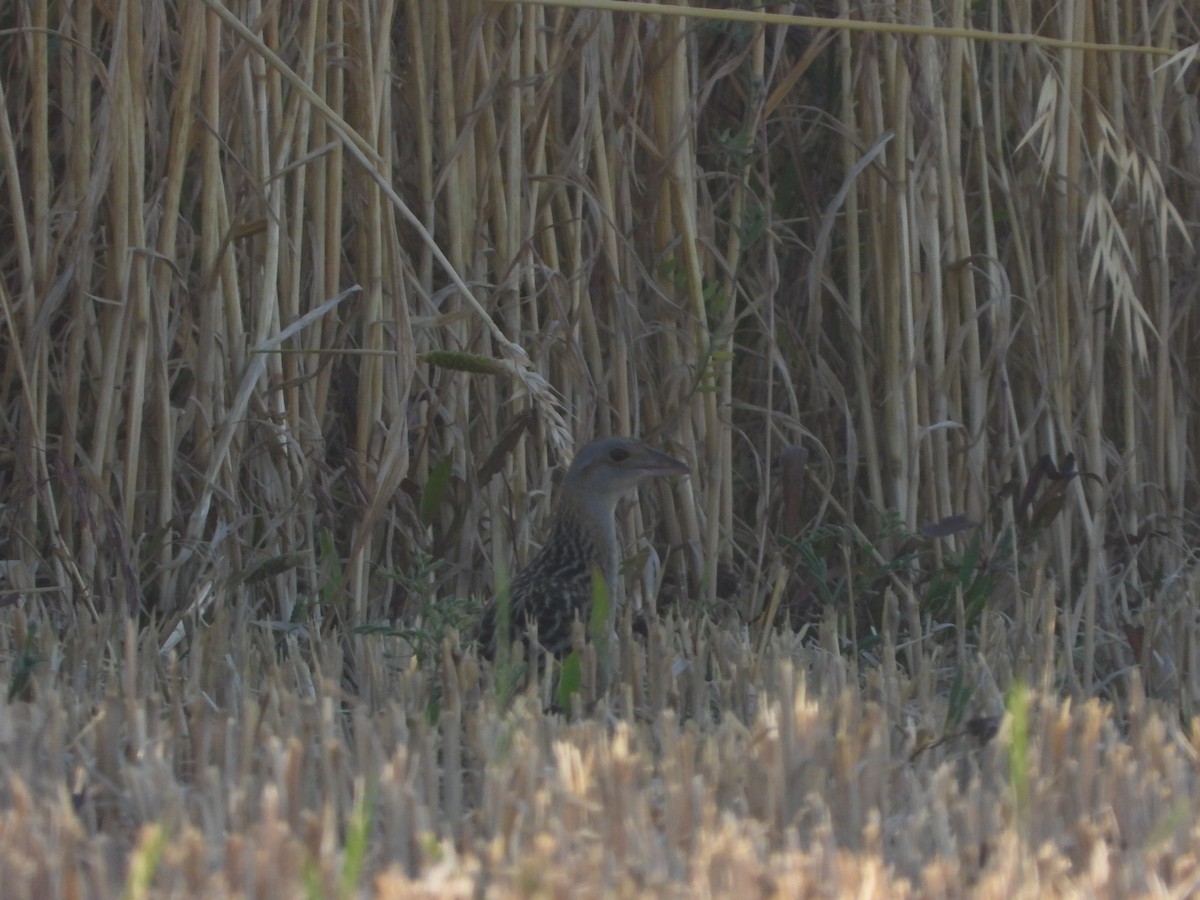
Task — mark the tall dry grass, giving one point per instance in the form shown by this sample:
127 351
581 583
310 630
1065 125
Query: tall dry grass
303 305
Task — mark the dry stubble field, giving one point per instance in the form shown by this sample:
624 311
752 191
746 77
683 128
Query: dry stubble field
304 307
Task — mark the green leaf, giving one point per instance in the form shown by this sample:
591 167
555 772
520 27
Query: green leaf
959 697
570 681
1018 749
600 624
433 709
463 362
435 491
275 565
357 832
502 624
144 860
21 678
508 671
330 567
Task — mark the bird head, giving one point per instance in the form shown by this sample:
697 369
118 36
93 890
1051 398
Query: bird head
606 469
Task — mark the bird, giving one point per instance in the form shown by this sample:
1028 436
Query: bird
556 587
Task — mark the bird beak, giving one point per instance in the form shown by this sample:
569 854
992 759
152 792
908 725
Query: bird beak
661 464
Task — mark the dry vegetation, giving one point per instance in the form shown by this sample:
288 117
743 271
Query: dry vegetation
303 305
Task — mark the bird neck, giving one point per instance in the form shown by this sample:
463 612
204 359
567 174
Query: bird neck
591 521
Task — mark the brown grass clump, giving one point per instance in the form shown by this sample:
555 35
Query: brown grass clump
305 304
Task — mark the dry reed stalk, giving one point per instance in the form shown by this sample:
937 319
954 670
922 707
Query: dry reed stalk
237 235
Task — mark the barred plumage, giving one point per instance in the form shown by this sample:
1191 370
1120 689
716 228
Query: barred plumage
556 587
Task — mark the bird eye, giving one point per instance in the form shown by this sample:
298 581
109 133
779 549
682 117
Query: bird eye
618 454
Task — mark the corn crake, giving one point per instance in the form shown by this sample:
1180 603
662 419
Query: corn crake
557 585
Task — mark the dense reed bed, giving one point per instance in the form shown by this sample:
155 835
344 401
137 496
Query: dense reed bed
305 305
